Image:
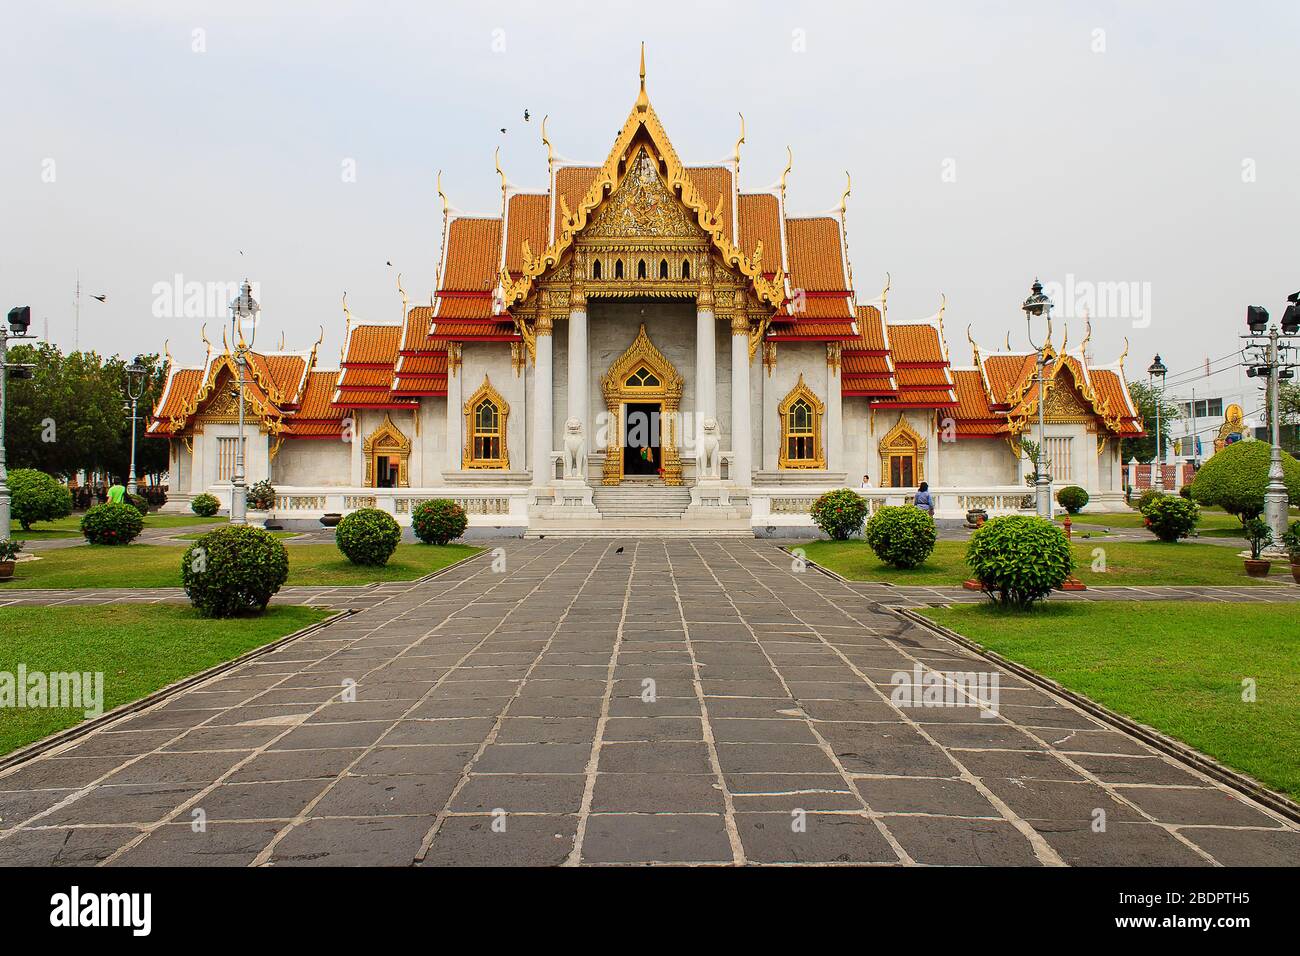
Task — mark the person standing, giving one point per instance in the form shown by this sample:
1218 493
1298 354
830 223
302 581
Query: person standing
923 499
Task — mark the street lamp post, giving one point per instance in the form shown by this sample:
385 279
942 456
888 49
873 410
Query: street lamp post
135 374
1157 373
1271 358
243 311
1038 304
19 320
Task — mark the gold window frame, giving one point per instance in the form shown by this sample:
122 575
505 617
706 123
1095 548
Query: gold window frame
801 391
486 393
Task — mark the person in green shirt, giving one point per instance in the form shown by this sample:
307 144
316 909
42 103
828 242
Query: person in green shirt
117 494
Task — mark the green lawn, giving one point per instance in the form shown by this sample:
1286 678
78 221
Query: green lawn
138 649
159 566
1126 562
1178 668
70 527
1211 520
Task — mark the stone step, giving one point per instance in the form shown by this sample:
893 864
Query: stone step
641 500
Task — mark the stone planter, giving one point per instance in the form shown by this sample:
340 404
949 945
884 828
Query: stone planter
7 570
331 519
1257 568
976 517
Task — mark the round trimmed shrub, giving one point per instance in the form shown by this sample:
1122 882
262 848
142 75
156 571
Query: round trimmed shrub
36 496
1019 559
840 513
1145 499
368 536
1072 498
138 502
439 521
1236 477
901 535
1171 517
205 505
112 524
234 570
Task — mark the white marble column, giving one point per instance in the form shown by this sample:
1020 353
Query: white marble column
455 409
706 373
579 378
742 439
542 402
834 424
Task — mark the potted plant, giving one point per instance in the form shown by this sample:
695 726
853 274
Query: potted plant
1291 541
8 556
1259 535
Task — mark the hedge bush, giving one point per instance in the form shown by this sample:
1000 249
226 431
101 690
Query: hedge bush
138 502
261 497
234 570
439 521
1145 499
902 536
840 513
1019 559
205 505
1235 479
1171 517
36 496
112 524
368 536
1072 498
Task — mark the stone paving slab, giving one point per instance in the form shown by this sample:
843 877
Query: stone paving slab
611 702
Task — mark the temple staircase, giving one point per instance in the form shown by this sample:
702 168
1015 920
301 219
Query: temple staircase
641 499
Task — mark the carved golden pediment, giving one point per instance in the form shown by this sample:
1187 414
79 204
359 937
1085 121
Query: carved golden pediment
643 206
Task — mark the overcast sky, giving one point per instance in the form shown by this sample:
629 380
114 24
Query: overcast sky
1147 150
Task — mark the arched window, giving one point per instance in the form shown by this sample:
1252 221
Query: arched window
486 413
663 268
902 456
595 268
640 269
686 268
801 424
618 269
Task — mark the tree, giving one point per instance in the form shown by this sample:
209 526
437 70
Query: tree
1144 400
1236 477
38 497
69 416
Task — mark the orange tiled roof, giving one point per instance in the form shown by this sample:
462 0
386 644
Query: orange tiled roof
571 184
415 331
372 344
713 183
760 221
871 327
915 343
462 330
182 385
813 330
816 256
1006 373
318 417
473 254
527 217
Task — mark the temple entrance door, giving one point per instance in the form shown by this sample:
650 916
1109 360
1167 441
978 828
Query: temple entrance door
902 469
642 442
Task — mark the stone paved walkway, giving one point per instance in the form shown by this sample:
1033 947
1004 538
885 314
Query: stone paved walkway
606 701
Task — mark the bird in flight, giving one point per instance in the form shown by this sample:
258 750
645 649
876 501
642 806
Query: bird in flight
525 116
503 129
101 298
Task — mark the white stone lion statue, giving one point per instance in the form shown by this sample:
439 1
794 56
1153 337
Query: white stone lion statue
709 459
573 448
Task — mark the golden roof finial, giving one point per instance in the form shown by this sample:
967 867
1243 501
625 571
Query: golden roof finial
167 350
1123 355
884 295
974 349
347 316
1087 334
943 305
550 151
642 101
402 293
735 153
203 334
446 218
789 165
281 349
1008 340
844 226
1065 342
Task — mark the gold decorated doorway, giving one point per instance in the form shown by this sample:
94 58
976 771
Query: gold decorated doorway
642 382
